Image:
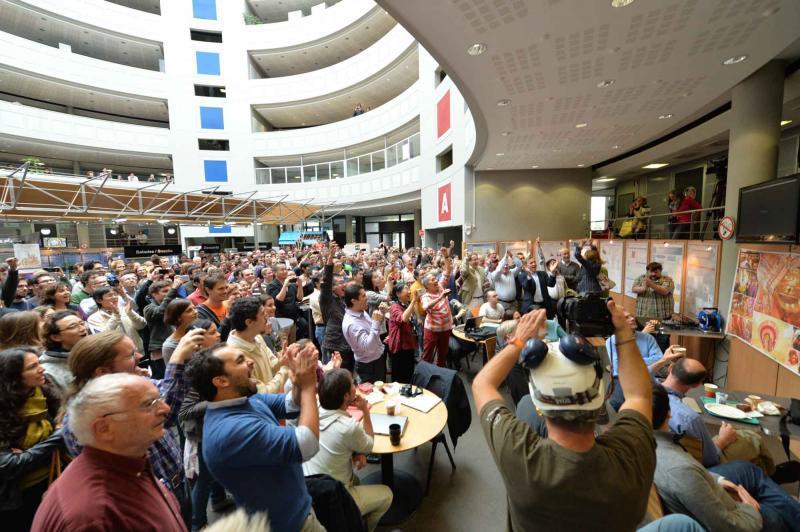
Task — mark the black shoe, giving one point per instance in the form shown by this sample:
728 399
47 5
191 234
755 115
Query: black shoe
223 505
787 472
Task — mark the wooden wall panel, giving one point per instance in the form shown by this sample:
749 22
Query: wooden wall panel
751 371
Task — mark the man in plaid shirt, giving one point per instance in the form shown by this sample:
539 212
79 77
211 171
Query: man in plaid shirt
113 352
654 294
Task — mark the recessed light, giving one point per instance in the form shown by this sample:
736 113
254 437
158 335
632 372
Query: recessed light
535 166
500 154
605 83
581 166
476 49
785 122
504 102
582 124
655 166
615 147
490 168
505 133
736 59
605 179
664 117
621 3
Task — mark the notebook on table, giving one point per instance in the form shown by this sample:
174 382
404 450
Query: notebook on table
381 422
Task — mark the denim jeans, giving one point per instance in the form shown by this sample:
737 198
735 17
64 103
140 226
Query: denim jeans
673 523
319 334
204 485
779 510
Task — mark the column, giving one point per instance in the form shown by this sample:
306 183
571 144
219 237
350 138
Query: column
83 233
417 227
755 132
348 229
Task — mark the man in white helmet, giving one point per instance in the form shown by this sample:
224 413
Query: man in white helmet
572 480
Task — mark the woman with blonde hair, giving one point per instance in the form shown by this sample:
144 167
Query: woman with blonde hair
20 328
591 264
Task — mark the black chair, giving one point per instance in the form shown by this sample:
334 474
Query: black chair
458 349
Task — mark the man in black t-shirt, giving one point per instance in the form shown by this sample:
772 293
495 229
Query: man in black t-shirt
288 293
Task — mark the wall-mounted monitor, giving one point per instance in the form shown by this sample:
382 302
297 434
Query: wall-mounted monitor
54 242
770 212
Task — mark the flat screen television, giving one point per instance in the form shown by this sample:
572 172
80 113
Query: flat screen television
770 212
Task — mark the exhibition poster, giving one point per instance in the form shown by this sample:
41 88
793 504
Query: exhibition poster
612 254
765 304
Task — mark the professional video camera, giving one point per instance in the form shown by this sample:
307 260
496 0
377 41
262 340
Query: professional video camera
586 314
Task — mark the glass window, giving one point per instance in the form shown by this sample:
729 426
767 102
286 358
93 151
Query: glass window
414 150
598 212
216 171
205 9
278 175
211 118
309 173
378 160
208 90
391 156
352 166
364 164
337 169
207 63
373 239
293 175
406 217
372 227
323 172
262 176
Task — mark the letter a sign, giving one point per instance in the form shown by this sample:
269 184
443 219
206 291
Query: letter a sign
444 203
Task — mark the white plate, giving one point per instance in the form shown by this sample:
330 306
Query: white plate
728 411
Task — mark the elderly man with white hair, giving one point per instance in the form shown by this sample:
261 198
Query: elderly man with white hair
111 486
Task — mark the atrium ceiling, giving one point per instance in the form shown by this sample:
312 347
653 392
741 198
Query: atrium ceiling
569 83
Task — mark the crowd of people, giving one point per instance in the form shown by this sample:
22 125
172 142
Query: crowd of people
682 220
136 395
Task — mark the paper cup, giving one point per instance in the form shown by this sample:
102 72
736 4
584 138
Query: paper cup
710 390
679 351
391 407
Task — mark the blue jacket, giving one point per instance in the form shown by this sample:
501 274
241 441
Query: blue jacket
256 459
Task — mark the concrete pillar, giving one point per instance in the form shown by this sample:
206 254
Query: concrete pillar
757 103
417 227
83 233
348 229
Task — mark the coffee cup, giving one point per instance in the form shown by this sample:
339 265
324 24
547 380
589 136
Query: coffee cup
391 406
394 434
378 385
710 390
679 351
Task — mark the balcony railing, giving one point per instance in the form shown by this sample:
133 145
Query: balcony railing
702 227
306 173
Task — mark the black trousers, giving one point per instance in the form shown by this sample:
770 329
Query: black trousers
372 371
403 365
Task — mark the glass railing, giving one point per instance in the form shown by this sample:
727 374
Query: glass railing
378 160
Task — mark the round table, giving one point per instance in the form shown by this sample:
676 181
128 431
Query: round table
421 428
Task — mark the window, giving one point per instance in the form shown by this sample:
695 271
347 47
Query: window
598 212
204 9
444 160
208 63
205 36
439 76
213 144
216 171
208 90
211 118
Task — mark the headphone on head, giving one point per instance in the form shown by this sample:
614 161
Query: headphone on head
573 346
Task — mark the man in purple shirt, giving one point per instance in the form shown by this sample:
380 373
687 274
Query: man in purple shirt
111 485
364 334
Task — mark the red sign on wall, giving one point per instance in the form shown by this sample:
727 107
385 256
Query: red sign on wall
444 203
443 115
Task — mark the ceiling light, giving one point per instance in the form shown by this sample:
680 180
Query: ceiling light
500 154
505 133
112 231
504 102
582 124
535 166
615 147
663 117
605 179
736 59
476 49
581 166
785 122
666 244
171 230
605 83
655 166
45 231
621 3
120 220
163 221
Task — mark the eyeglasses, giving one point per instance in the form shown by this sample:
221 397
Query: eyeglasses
148 408
76 325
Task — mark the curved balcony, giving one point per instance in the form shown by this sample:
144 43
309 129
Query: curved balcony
339 135
32 123
386 158
47 62
317 41
401 178
320 85
269 11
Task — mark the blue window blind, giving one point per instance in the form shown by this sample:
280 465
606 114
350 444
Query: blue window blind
207 63
216 171
222 229
211 118
205 9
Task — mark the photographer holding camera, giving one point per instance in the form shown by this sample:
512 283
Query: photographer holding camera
654 294
573 480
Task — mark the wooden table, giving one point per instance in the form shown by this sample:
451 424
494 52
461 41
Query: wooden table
421 428
702 350
769 425
488 344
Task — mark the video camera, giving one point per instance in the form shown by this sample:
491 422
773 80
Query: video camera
586 314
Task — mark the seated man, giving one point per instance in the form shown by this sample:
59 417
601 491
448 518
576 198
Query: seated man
492 309
651 353
111 486
736 496
245 448
573 480
343 441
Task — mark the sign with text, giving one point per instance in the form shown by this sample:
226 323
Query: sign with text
444 203
147 251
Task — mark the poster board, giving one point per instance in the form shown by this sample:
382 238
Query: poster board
612 252
519 246
552 248
765 305
28 256
636 259
481 248
702 284
670 253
